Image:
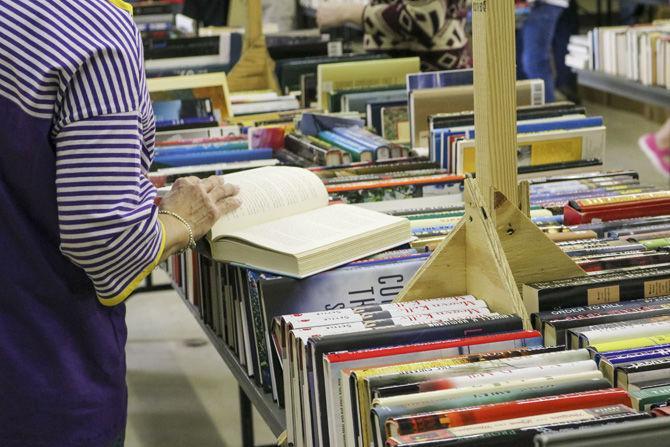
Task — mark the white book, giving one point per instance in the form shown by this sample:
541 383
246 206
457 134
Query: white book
482 378
279 105
285 225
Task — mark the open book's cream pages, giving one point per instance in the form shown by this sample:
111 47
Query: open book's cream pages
268 194
316 229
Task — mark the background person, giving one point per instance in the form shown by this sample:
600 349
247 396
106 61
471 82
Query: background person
434 30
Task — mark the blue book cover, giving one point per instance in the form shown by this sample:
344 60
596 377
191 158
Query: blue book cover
612 354
211 157
437 79
194 148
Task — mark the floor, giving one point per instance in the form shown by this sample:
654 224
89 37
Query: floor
180 392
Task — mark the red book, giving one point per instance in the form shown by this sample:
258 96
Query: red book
201 141
572 216
411 425
347 356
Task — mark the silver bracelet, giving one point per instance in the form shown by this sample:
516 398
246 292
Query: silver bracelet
191 240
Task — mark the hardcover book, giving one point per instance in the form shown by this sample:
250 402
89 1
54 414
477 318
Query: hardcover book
600 289
285 225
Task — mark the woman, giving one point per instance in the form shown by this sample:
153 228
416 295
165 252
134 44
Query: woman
434 30
79 226
656 146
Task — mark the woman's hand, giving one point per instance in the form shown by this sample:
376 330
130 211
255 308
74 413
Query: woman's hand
200 203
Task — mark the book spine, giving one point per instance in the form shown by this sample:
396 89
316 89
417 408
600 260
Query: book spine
215 157
620 288
312 152
604 309
384 413
447 382
495 412
523 436
608 201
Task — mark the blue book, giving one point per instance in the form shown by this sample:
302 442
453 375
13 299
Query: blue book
438 79
211 157
195 148
613 354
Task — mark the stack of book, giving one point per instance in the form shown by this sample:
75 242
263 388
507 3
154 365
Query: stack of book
638 53
622 317
451 92
554 137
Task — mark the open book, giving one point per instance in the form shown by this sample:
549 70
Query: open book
286 226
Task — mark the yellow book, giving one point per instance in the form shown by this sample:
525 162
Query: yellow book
631 343
213 86
362 74
543 148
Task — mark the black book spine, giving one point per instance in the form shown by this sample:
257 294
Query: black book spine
645 365
197 46
538 318
400 335
604 291
154 9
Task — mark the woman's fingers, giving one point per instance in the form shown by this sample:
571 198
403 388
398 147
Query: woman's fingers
223 191
228 204
212 182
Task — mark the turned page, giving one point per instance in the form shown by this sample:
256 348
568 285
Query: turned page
316 229
268 194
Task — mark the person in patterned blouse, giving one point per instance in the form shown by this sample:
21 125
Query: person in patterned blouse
434 30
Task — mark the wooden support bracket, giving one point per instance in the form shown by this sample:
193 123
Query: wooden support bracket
490 255
255 70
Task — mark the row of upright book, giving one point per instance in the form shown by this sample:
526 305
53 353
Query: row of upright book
352 368
637 53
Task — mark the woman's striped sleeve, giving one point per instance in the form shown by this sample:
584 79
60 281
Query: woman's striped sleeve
106 212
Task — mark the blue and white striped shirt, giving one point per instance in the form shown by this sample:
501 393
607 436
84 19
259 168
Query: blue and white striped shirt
79 224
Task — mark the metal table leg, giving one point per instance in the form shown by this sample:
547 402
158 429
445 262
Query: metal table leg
247 418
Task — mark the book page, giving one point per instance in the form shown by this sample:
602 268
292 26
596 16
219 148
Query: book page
315 229
268 194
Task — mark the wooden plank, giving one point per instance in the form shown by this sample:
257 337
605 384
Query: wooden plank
488 273
524 197
444 272
531 255
495 99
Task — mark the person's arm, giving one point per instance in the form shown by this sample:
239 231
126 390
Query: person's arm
332 15
108 222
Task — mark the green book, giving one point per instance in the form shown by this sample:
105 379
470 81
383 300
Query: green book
644 398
